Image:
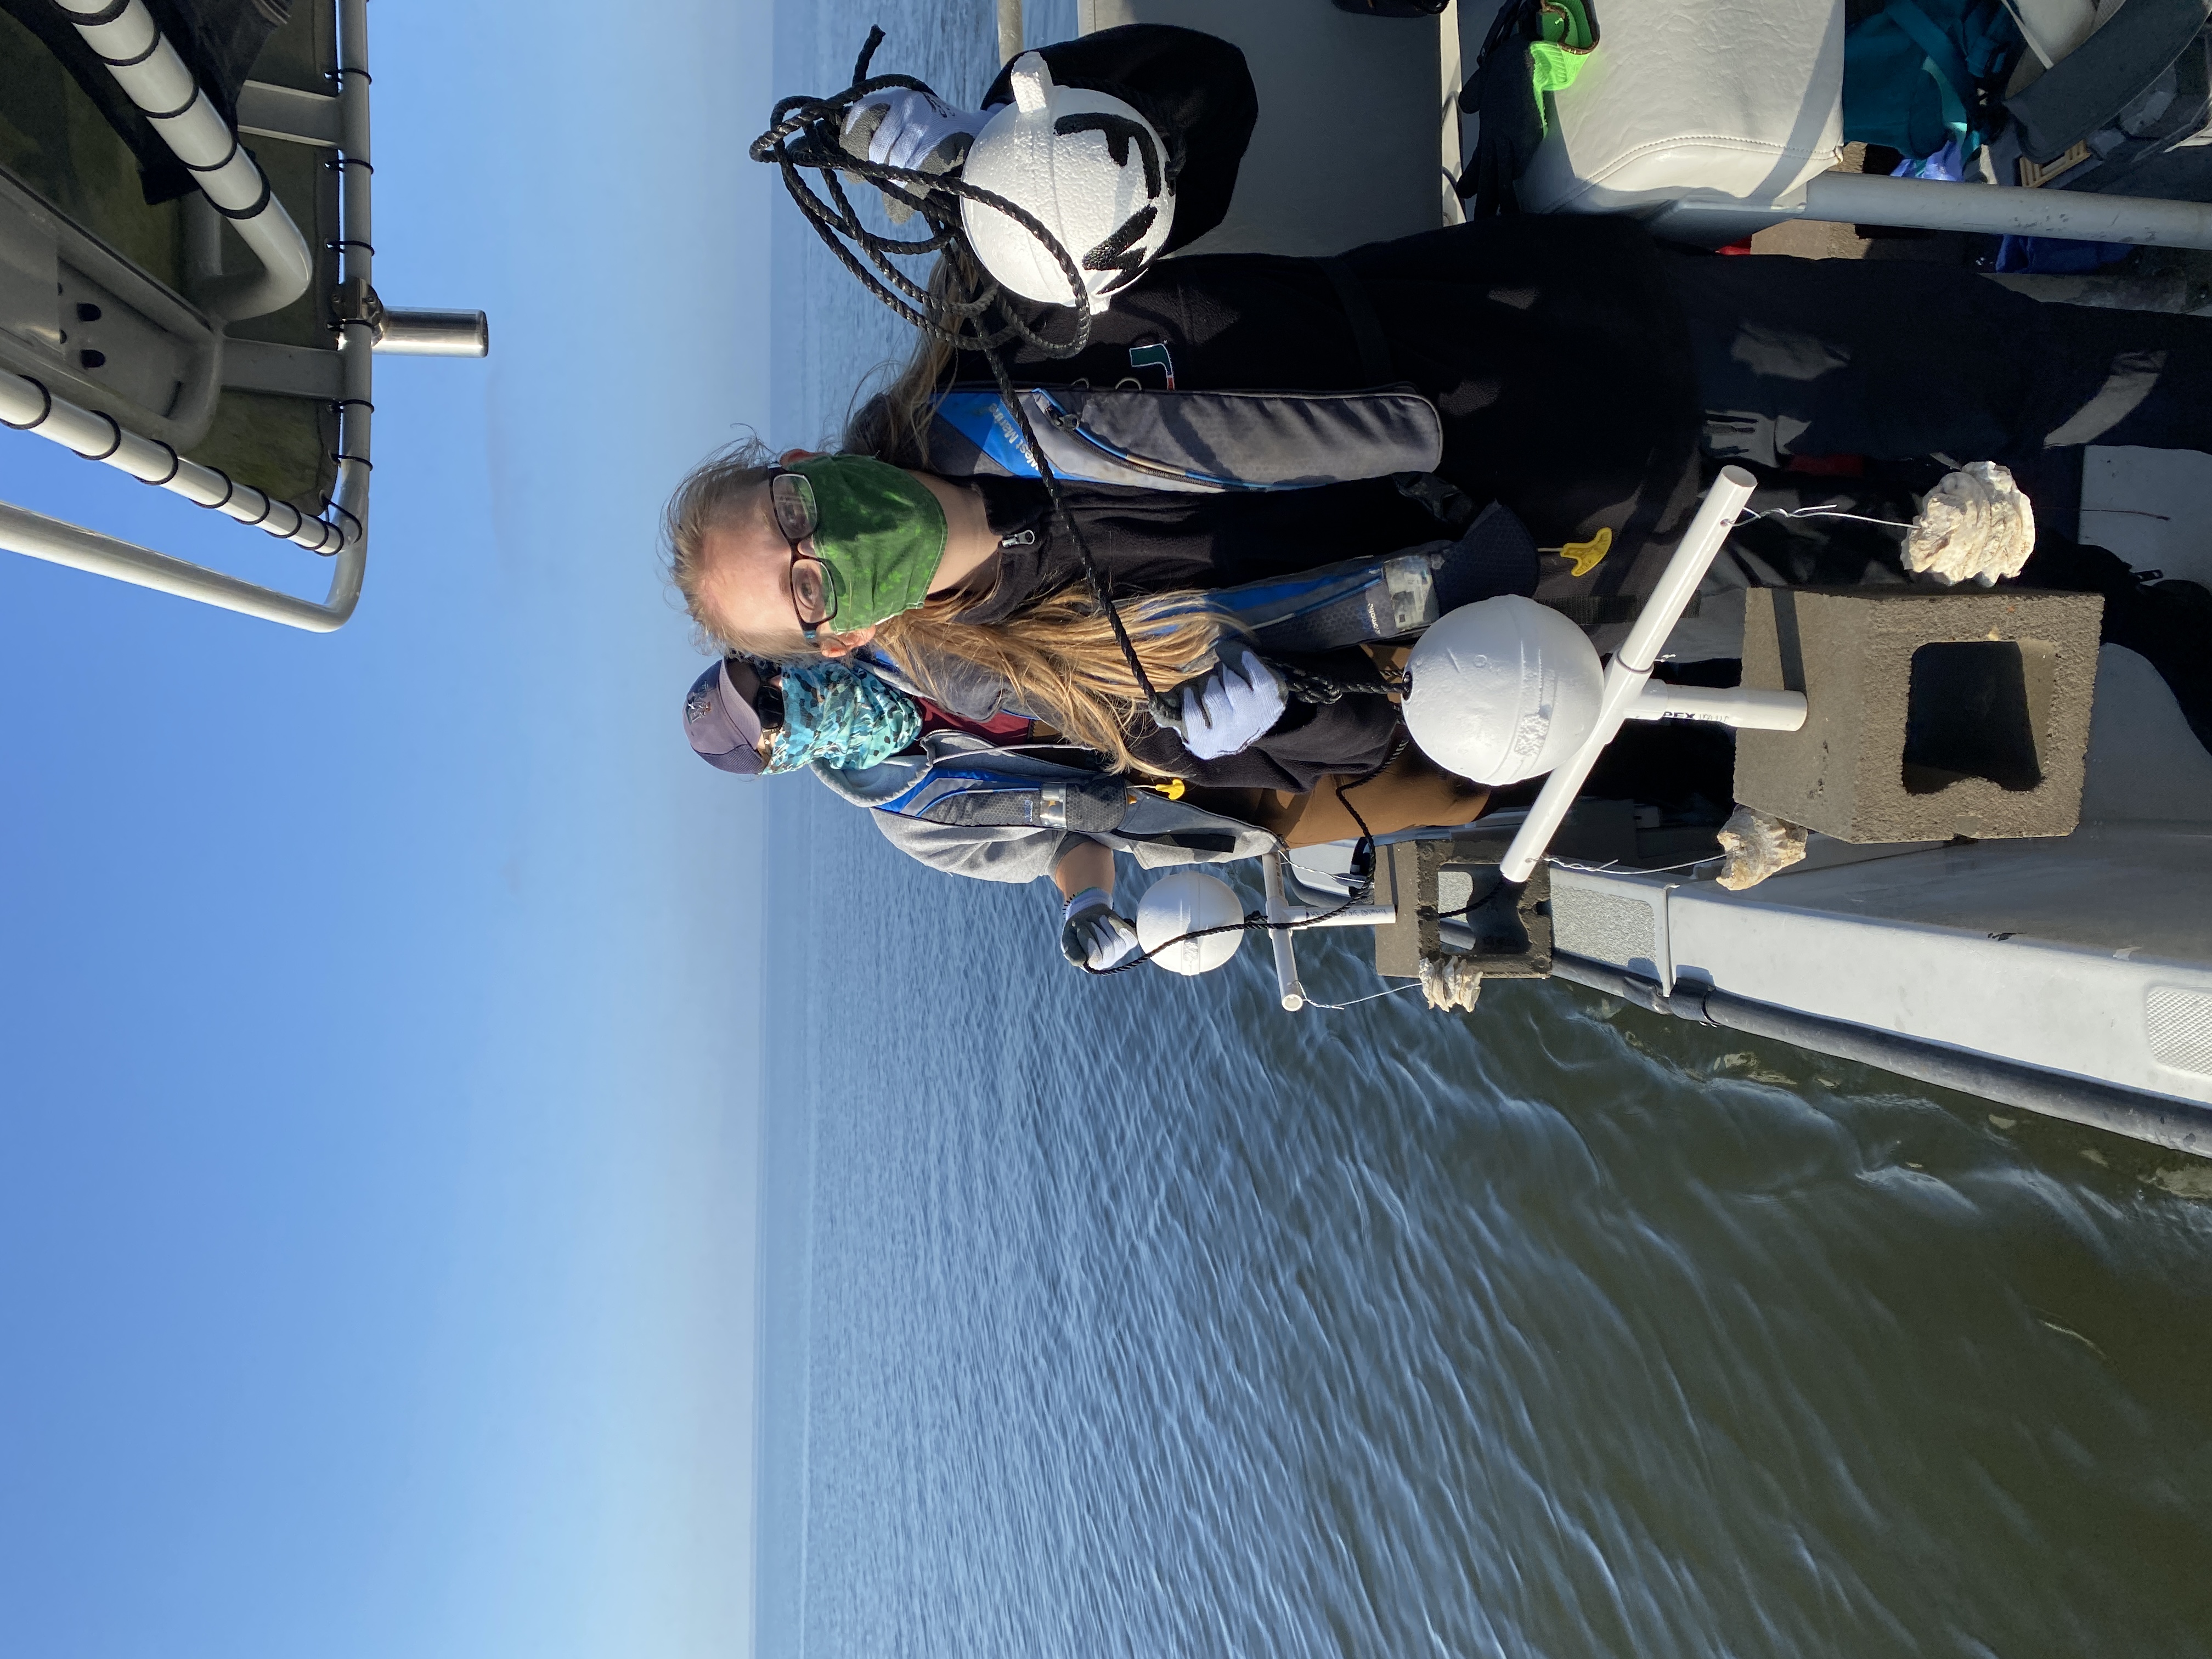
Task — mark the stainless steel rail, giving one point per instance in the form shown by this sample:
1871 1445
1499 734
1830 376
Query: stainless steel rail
29 405
59 541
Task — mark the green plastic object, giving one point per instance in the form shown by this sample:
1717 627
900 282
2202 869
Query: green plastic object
1568 36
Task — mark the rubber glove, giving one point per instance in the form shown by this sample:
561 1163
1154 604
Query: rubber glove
901 128
1092 935
1233 708
1512 129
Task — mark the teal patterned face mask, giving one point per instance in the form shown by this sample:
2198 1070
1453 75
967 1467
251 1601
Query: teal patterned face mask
840 716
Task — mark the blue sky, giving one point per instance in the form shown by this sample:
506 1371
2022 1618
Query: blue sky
379 1011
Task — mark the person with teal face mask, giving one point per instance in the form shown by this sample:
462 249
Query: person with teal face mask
904 760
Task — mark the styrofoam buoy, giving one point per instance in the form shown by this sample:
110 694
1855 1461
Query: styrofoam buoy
1184 902
1091 169
1503 689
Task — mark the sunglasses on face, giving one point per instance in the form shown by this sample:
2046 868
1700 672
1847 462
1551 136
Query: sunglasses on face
813 599
767 703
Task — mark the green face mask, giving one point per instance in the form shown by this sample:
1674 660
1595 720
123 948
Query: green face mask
879 532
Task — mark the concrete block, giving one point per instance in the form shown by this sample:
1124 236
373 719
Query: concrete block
1930 713
1512 926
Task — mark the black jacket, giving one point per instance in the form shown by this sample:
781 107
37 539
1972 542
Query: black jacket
1554 346
1152 541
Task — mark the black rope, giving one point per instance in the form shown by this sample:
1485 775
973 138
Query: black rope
804 137
1102 588
1255 921
1313 685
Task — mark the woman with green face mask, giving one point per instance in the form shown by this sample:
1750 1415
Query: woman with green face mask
831 555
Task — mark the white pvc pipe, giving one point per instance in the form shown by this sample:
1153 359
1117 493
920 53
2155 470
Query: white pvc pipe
154 78
28 406
1744 707
1331 915
1292 993
1630 667
22 530
2000 210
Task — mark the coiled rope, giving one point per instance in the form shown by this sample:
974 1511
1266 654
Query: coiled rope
802 138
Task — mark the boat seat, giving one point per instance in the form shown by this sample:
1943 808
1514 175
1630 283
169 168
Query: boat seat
1346 147
1713 120
1709 116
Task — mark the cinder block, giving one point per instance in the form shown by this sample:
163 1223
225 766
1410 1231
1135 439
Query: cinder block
1513 925
1930 713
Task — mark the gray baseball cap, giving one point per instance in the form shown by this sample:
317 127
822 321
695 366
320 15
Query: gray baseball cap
722 722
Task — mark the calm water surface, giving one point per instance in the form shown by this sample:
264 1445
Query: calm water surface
1138 1317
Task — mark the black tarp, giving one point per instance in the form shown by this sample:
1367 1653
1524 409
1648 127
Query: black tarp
218 39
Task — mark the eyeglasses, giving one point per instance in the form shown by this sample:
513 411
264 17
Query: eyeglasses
813 599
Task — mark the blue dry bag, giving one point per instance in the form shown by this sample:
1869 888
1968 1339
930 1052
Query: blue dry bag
1916 74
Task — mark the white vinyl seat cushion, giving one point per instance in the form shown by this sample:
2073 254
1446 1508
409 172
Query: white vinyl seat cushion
1733 103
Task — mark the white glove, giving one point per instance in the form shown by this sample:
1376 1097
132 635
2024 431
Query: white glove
1233 708
901 128
1093 935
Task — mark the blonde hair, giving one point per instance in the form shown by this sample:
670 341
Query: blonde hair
720 491
1056 655
893 425
1058 660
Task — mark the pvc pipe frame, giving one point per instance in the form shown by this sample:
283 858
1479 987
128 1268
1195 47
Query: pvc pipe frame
1630 667
1745 708
27 405
57 541
1292 993
154 78
2000 209
1280 909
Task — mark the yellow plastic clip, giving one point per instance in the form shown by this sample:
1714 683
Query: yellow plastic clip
1172 789
1586 557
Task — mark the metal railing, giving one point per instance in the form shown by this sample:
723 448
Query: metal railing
156 79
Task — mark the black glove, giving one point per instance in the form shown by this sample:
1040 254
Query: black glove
1092 936
1503 92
